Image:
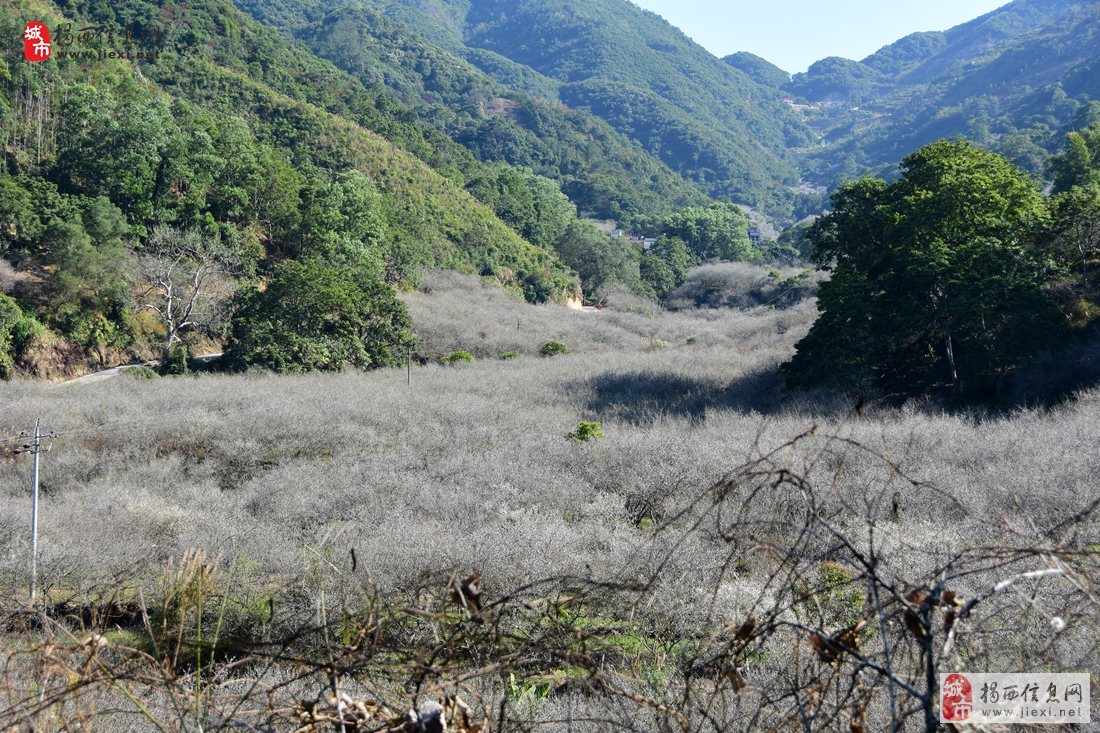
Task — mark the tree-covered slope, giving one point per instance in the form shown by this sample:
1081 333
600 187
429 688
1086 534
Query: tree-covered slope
903 54
229 133
758 69
601 170
981 40
1012 80
705 119
322 117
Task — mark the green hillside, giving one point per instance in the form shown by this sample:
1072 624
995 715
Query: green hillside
232 134
758 69
602 171
705 119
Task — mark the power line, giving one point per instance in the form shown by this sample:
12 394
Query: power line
121 426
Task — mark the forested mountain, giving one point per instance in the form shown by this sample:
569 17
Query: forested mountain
705 119
487 73
225 66
602 171
1014 80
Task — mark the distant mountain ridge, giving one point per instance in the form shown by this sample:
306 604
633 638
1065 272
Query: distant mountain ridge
1012 80
492 74
707 120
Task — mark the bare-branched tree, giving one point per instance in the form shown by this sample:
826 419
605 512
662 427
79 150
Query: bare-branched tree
190 280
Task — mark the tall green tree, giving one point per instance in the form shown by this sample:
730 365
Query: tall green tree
717 232
598 259
120 148
340 220
532 205
1076 200
1078 165
657 274
675 252
18 214
666 264
1076 227
936 281
90 280
316 317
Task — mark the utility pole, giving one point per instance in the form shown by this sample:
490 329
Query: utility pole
409 369
34 448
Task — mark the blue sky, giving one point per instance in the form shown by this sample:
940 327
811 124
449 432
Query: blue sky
794 33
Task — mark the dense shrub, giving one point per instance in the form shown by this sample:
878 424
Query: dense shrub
741 285
176 362
16 331
553 348
140 372
459 357
312 316
585 431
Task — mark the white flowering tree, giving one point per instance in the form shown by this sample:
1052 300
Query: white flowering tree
189 281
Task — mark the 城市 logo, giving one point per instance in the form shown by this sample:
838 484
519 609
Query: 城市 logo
36 41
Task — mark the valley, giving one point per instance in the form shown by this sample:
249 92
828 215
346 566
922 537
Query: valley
568 377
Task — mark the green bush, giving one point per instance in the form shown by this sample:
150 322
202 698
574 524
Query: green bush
16 331
458 356
510 354
586 430
316 317
840 599
140 372
177 361
553 348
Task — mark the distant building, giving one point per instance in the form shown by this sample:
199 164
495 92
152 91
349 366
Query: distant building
755 236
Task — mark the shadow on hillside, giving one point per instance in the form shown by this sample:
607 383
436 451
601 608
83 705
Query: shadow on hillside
640 397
